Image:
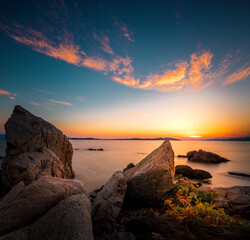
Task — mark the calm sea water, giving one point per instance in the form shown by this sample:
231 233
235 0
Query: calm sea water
94 168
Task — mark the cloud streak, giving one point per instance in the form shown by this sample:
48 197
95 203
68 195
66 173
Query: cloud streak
4 92
60 102
35 103
239 75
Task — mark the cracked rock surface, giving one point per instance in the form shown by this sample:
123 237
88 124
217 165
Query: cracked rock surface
48 208
34 145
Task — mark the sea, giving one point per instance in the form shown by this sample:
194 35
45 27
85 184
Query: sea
94 168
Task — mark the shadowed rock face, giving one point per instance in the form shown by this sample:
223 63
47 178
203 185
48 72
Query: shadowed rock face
189 172
108 203
48 208
205 157
27 136
151 178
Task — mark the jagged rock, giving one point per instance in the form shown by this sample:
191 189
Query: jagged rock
48 208
189 172
108 203
205 157
151 178
27 136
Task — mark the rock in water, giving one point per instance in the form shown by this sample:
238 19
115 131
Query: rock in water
205 157
189 172
108 203
27 136
151 178
48 208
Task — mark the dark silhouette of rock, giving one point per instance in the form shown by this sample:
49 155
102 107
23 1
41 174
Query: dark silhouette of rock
48 208
167 227
189 172
108 203
95 149
205 157
240 174
182 156
34 145
151 178
130 165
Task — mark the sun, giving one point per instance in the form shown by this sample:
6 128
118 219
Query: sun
195 136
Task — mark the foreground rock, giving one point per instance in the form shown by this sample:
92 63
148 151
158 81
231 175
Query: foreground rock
234 200
108 203
48 208
205 157
189 172
29 139
168 227
150 179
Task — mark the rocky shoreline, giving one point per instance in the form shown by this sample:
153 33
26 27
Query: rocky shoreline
41 199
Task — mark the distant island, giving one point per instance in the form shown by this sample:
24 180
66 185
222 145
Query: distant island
2 136
160 138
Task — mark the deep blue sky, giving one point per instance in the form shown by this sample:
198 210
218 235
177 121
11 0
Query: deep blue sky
128 68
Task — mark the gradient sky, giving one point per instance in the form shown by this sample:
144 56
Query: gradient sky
128 68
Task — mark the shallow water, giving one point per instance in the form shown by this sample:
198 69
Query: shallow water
94 168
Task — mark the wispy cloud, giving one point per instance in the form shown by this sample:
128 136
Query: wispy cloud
12 96
104 43
43 91
124 29
239 75
192 74
4 92
35 103
60 102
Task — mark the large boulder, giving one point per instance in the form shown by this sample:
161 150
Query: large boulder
29 166
151 178
28 137
205 157
189 172
48 208
108 203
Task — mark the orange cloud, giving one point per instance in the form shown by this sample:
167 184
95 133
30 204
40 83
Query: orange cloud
199 66
127 80
36 104
12 98
60 102
4 92
242 73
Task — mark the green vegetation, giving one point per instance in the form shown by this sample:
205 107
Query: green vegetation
187 202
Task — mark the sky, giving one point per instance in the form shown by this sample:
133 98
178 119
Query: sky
128 68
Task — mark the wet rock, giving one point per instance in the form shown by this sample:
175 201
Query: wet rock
30 138
189 172
95 149
240 174
205 157
151 178
108 203
48 208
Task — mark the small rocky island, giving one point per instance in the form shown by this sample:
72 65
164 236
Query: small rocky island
41 199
